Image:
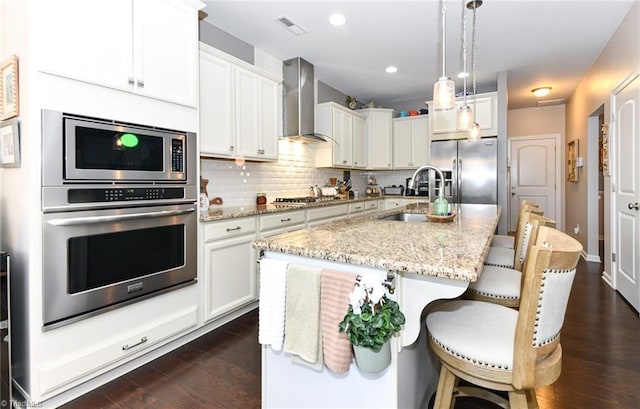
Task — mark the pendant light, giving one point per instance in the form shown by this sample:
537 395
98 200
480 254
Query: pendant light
444 90
464 118
474 135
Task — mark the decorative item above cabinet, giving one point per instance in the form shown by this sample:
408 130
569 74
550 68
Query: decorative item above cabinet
239 108
443 123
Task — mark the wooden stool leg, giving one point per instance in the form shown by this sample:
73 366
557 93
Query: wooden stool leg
532 401
444 394
518 400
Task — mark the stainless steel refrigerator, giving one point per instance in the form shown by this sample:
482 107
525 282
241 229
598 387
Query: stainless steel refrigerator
470 170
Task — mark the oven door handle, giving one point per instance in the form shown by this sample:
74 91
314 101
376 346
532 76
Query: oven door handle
73 221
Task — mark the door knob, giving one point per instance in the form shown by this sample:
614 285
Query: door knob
635 205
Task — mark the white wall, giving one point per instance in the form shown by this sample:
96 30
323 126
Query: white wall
619 58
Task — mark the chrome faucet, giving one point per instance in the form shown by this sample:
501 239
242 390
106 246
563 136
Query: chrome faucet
412 181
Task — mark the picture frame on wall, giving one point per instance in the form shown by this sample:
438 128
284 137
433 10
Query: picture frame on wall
572 154
9 93
10 144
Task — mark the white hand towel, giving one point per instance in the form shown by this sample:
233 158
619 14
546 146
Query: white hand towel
271 313
303 337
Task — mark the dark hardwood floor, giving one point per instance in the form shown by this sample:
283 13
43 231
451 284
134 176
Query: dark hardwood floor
601 363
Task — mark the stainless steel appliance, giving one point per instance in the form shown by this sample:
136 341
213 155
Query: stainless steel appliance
120 214
470 170
5 328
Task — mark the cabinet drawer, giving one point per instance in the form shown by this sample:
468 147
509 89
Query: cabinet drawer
370 206
283 219
89 360
356 207
326 212
229 228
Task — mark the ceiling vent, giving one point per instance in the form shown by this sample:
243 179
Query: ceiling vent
286 22
550 102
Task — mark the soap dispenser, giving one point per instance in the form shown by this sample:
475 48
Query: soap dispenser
441 206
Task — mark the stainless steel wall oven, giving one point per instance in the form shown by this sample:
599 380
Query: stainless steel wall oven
119 214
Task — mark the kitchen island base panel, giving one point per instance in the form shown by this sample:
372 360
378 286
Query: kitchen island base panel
408 382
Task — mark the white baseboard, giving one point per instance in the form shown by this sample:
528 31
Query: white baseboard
591 257
606 277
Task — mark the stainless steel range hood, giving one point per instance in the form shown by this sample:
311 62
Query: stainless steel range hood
299 102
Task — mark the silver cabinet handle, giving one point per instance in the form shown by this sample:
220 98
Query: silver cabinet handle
130 80
635 205
73 221
234 228
231 148
140 83
288 219
127 346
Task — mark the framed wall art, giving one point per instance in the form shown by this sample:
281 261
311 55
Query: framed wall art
604 150
9 93
10 144
572 154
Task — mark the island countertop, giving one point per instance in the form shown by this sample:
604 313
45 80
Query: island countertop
453 250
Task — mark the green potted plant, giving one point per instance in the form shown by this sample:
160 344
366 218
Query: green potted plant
370 321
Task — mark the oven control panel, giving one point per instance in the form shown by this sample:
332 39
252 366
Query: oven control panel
124 194
177 156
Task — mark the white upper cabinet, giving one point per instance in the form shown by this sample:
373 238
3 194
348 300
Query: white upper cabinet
346 129
378 137
148 47
443 123
410 142
239 108
359 143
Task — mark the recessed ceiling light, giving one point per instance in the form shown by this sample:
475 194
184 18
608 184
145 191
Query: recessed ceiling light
541 91
337 19
391 69
463 75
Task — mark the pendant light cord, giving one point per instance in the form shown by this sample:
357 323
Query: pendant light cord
444 31
473 61
464 53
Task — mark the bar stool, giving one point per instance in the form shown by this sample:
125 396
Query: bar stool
507 241
501 285
499 348
505 257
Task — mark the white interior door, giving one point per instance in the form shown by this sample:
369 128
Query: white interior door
534 175
627 190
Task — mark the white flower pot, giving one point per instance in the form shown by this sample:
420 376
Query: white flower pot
370 361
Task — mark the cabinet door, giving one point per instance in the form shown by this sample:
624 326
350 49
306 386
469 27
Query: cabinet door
359 148
342 126
419 141
217 136
165 50
247 113
86 40
269 109
230 275
379 140
402 144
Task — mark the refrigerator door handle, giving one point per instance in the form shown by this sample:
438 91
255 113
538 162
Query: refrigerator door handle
459 176
455 189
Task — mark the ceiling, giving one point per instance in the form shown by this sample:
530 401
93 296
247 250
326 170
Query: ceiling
536 42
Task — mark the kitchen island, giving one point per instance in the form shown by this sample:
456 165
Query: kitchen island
428 261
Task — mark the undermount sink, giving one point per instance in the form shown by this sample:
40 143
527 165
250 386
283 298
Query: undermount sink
405 217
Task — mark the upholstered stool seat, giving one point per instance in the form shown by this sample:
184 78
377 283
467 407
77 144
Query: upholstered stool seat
503 240
479 332
501 257
500 284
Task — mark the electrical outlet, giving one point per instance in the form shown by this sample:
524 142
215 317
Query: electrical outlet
576 229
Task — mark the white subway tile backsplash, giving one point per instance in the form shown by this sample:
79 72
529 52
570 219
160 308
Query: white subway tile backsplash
238 184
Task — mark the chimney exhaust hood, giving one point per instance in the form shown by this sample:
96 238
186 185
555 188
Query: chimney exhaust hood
299 102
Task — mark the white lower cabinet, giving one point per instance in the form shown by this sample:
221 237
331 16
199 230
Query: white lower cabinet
229 266
356 209
390 204
281 222
322 215
92 357
371 207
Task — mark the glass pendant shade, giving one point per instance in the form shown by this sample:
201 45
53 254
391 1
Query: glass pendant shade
474 135
464 118
444 94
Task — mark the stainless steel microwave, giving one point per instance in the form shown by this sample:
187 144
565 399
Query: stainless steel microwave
78 149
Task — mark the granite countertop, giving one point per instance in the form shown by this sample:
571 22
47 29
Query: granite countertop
454 250
229 212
